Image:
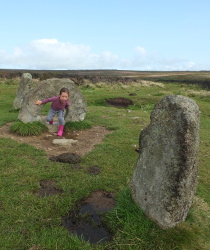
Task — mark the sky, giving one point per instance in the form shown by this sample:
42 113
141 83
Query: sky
149 35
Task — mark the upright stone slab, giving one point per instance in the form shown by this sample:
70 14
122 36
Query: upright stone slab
29 112
165 178
25 85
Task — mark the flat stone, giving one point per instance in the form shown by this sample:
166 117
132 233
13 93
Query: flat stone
64 141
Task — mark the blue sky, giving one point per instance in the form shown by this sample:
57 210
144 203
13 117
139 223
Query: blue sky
112 34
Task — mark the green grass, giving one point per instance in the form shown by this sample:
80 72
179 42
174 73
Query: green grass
8 113
28 129
28 221
128 220
85 124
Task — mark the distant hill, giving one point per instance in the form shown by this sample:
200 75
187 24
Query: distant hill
188 77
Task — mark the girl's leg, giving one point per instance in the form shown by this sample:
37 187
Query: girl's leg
61 117
50 115
61 122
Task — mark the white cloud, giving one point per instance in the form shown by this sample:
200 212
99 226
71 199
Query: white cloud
141 50
52 54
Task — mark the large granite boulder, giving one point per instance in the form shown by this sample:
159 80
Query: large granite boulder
29 112
165 178
25 85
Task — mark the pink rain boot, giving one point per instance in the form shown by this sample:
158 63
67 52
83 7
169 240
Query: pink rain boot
60 130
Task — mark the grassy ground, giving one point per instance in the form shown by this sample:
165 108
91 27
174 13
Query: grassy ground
30 222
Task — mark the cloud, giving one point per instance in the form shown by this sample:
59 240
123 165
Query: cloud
144 60
141 50
52 54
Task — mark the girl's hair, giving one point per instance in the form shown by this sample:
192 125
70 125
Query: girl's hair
64 90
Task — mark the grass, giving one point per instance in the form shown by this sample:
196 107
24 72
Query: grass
28 129
145 234
8 113
85 124
30 222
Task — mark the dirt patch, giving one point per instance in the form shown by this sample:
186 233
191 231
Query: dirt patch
94 170
66 158
1 206
86 219
76 166
120 102
86 140
48 188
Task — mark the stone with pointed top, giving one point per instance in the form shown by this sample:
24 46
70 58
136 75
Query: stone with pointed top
25 85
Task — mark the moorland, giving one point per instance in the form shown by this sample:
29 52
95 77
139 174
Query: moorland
32 221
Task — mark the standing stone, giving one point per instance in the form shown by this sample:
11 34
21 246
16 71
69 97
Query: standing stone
165 178
24 87
29 112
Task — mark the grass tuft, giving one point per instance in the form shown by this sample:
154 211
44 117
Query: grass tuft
28 129
85 124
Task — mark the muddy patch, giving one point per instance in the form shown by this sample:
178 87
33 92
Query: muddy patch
48 188
132 94
94 170
120 102
76 166
1 206
71 158
86 221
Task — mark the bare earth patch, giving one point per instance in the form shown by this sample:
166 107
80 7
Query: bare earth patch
86 140
47 188
85 220
120 102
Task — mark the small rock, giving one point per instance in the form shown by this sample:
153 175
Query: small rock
64 141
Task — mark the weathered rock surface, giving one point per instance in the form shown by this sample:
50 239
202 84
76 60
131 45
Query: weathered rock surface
25 85
29 112
165 178
52 128
64 141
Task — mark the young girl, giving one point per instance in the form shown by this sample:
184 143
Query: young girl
59 103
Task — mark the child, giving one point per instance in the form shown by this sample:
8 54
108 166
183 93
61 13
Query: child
59 103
